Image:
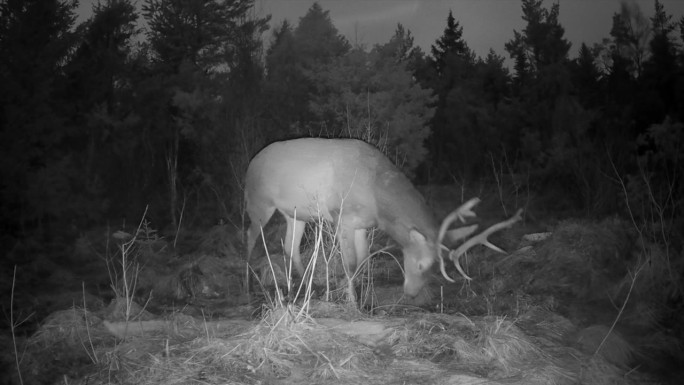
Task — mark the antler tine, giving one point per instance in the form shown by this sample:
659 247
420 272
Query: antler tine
462 212
442 267
481 239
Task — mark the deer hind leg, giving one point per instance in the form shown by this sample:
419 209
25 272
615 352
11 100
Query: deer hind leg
293 240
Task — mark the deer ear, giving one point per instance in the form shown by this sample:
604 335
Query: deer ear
416 237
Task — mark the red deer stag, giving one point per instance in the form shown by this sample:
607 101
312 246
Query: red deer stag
352 184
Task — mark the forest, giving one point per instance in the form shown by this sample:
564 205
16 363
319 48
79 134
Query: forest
103 118
148 113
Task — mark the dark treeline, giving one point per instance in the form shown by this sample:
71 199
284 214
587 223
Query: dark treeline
100 119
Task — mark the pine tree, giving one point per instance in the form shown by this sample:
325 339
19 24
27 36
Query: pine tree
36 170
286 86
660 70
204 57
318 40
454 79
586 77
97 66
631 32
541 42
450 44
294 60
196 32
495 78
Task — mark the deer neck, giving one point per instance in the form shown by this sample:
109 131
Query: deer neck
401 209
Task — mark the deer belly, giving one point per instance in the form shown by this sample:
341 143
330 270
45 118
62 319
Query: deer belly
304 191
332 207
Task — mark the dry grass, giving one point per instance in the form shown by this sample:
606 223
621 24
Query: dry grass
491 346
286 345
76 325
279 346
601 341
582 259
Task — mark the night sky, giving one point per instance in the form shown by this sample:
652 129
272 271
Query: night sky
486 23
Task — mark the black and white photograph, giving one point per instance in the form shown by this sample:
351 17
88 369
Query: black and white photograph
264 192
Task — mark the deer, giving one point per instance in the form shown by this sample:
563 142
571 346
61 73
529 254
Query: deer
354 186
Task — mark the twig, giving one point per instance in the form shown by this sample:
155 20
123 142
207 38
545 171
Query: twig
622 308
180 221
13 327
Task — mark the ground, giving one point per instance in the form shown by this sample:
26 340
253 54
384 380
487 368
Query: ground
573 301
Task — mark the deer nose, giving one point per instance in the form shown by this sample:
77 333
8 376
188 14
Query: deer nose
412 287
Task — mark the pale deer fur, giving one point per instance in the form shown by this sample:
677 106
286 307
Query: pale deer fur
353 185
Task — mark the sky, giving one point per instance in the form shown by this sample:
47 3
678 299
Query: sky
486 23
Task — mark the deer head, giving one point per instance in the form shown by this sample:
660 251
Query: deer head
352 184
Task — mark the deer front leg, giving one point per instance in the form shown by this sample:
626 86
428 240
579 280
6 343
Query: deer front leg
349 249
293 240
361 246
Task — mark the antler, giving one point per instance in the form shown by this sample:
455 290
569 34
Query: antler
461 213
